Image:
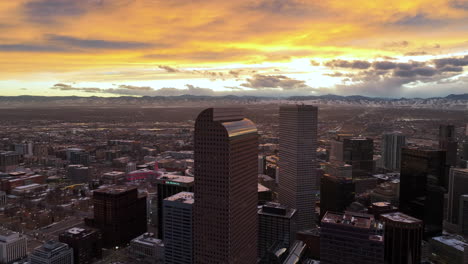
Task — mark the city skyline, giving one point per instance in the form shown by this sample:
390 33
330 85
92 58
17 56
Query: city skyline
289 47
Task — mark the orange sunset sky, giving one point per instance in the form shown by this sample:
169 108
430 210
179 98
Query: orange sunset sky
396 48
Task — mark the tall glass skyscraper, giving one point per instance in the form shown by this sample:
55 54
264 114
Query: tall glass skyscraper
391 150
226 171
298 184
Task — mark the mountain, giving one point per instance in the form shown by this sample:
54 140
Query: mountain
452 101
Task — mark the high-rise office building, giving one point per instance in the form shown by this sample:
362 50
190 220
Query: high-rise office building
13 246
276 223
226 170
9 160
52 252
78 173
448 142
403 237
298 186
86 244
168 185
336 193
356 151
458 186
178 228
391 150
422 186
147 249
351 238
80 157
119 213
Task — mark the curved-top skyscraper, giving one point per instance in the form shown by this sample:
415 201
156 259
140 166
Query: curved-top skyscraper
225 209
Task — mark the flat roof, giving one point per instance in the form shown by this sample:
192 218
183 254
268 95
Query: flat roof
452 242
349 219
182 197
115 189
400 217
175 178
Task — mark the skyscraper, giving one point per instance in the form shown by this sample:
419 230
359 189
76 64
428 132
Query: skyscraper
52 252
458 186
403 236
177 225
355 151
336 193
351 238
448 142
298 186
119 213
86 244
422 181
226 169
391 150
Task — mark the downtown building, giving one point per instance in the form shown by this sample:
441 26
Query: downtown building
355 151
457 186
298 184
85 242
391 150
13 246
448 142
351 238
226 169
422 187
52 252
119 213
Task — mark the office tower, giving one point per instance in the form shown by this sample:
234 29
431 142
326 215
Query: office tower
226 169
356 151
463 215
119 213
276 223
178 226
24 148
168 185
79 157
351 238
147 249
52 252
78 173
403 237
2 199
13 246
458 185
391 150
298 186
261 164
422 180
9 160
336 193
448 249
86 244
448 142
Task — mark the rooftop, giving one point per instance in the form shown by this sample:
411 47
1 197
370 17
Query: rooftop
182 197
148 239
115 189
350 219
452 242
172 178
400 217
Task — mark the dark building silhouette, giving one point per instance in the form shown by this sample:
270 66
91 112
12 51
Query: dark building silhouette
448 142
168 185
119 213
276 223
86 244
356 151
403 236
336 193
422 181
226 170
298 184
458 186
351 238
391 150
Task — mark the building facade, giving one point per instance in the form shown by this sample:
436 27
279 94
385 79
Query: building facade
119 213
178 228
391 150
458 186
86 244
52 252
147 249
403 237
13 246
298 186
226 171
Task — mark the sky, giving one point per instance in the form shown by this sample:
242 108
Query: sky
378 48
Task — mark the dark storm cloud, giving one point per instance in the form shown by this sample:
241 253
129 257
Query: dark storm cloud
357 64
259 81
451 69
384 65
45 11
95 43
423 71
30 48
455 61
